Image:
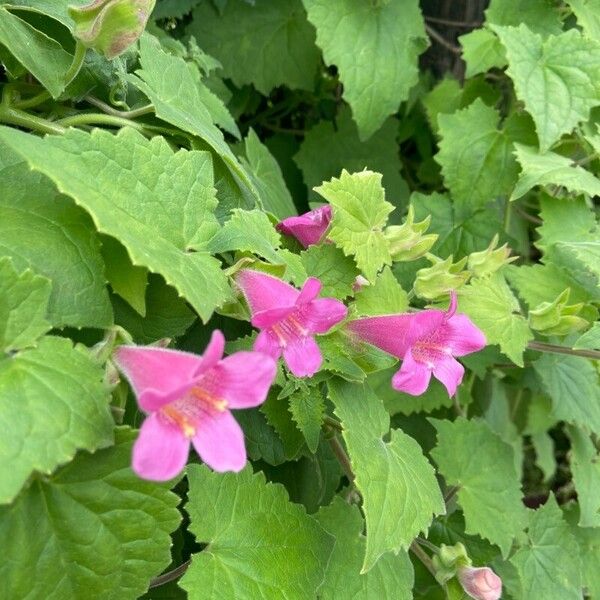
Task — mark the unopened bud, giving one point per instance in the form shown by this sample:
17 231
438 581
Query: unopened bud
111 26
359 283
441 278
480 583
448 560
406 241
557 317
491 259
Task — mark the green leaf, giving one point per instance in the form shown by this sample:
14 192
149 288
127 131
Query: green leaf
397 483
336 272
384 297
307 407
469 454
590 339
54 402
360 213
391 577
390 38
268 45
254 535
328 148
150 211
482 51
588 16
549 564
52 8
23 305
483 169
262 442
552 169
100 531
126 280
279 417
540 16
268 178
572 384
166 316
173 9
558 79
41 231
585 467
494 309
460 231
445 97
41 55
184 101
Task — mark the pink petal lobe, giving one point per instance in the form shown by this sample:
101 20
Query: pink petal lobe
244 378
450 372
214 351
266 318
266 343
462 336
160 450
413 376
303 357
220 442
310 290
157 374
397 333
264 292
320 315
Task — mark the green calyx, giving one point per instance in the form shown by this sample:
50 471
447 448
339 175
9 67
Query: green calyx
558 317
441 278
406 241
449 560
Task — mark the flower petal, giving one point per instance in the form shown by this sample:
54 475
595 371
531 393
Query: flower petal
220 442
267 344
214 351
308 228
160 450
450 372
266 318
413 376
244 378
397 333
310 290
157 374
303 357
264 292
462 336
320 315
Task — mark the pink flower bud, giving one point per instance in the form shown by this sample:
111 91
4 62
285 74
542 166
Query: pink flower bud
480 583
308 228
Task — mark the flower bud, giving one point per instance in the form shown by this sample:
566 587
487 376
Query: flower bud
448 560
480 583
308 228
557 318
110 26
359 283
441 278
406 241
489 260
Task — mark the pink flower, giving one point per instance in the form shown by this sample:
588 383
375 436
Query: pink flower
481 583
308 228
288 318
187 399
427 343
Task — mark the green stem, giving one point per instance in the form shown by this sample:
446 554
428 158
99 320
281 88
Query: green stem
333 423
125 114
556 349
98 119
14 116
428 544
423 557
176 573
77 63
33 101
507 215
342 457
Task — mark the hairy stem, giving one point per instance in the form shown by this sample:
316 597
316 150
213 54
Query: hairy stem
98 119
33 101
556 349
176 573
333 423
342 457
124 114
14 116
423 557
77 63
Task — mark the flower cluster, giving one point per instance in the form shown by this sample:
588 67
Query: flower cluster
188 398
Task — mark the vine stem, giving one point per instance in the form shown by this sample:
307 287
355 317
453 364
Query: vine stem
342 457
423 557
333 423
14 116
176 573
556 349
98 119
440 39
77 63
124 114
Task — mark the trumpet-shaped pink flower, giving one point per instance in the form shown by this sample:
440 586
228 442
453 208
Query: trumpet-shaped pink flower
308 228
289 318
427 343
481 583
187 399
